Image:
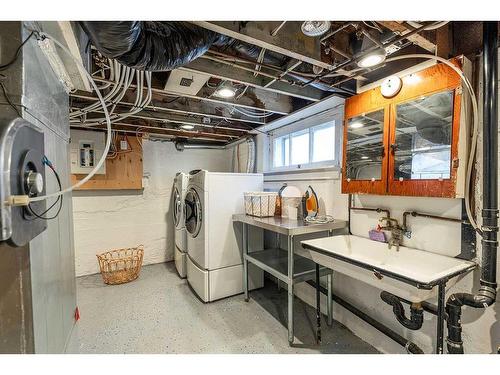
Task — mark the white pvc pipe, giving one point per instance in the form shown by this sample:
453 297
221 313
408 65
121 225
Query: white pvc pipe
108 126
475 128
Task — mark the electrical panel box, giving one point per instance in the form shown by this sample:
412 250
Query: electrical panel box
86 149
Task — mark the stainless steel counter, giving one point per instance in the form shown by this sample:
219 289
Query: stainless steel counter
288 227
284 264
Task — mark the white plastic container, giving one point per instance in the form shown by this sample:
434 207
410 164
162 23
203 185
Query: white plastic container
291 197
260 203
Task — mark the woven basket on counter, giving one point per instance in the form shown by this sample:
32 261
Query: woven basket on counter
121 265
260 203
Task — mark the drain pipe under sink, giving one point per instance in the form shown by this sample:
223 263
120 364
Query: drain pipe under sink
410 346
487 293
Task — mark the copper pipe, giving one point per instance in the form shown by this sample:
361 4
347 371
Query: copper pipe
379 210
415 214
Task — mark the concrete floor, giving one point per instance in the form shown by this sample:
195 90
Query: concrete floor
158 313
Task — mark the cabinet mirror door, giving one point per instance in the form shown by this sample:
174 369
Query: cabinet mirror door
423 138
365 146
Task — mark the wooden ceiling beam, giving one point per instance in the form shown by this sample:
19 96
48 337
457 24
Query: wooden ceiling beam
417 39
289 41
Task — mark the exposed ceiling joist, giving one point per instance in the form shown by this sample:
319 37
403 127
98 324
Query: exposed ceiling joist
417 39
254 99
196 108
172 120
159 130
289 41
229 72
203 109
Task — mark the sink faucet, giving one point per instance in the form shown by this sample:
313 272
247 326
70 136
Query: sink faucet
393 226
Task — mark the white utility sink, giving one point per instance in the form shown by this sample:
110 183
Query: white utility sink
408 273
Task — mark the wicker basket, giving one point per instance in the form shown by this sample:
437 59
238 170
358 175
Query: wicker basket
121 265
260 204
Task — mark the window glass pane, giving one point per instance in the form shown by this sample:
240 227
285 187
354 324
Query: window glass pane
278 152
300 147
323 143
423 137
286 152
365 146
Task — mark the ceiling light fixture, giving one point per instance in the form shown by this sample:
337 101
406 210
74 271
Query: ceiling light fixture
225 92
371 59
356 125
315 28
187 127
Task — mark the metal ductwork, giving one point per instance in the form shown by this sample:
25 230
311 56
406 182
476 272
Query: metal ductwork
181 146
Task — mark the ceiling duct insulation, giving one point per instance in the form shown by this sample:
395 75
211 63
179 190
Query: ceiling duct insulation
150 45
164 46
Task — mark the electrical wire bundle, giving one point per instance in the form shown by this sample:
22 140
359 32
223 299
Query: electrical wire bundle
48 163
319 219
122 78
249 113
114 151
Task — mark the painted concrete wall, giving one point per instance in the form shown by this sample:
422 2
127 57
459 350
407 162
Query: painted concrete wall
109 220
481 327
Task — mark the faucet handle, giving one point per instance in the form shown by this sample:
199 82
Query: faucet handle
407 233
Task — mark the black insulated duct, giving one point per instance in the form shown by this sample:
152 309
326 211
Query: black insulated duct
487 293
416 311
164 46
150 45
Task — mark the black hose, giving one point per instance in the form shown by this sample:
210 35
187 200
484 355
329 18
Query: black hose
416 312
408 345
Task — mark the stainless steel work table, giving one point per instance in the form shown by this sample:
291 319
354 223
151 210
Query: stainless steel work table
285 265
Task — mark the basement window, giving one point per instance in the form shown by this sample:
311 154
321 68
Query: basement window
313 147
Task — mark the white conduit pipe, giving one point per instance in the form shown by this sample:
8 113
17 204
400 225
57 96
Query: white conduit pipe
475 127
120 74
250 155
108 127
139 104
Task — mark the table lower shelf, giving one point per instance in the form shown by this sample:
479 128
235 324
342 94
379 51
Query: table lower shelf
275 261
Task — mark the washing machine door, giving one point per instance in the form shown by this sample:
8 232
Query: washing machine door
193 212
178 208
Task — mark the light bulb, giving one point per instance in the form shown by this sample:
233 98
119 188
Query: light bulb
373 58
225 92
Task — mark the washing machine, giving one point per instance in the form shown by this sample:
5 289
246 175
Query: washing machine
215 260
180 249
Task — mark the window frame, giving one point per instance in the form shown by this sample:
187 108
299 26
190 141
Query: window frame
308 127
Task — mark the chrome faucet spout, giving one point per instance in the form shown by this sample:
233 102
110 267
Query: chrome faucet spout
393 226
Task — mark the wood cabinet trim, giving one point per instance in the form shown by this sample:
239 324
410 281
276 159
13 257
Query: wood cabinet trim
435 79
